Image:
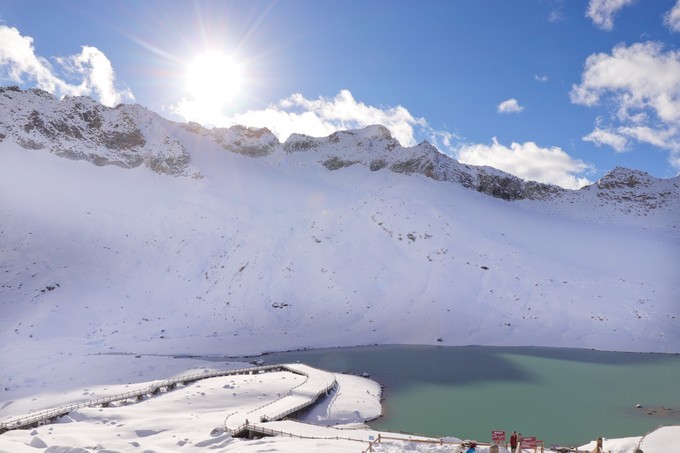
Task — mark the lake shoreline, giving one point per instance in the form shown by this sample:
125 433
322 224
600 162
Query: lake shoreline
504 367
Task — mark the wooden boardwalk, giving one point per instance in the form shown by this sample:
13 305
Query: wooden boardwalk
317 382
37 418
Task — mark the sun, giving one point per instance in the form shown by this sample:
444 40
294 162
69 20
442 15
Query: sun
213 79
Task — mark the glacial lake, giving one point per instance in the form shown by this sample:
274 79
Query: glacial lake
562 396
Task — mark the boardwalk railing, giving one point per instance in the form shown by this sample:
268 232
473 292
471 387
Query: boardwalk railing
273 432
309 399
382 437
50 415
371 442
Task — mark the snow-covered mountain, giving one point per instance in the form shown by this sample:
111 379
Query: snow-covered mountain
181 239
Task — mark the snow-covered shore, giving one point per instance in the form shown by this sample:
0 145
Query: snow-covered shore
192 418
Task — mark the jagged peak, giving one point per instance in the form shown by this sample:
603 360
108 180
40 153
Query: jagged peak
250 141
253 132
138 108
41 93
238 135
80 128
621 177
374 131
353 137
425 145
371 132
82 99
37 96
10 88
618 170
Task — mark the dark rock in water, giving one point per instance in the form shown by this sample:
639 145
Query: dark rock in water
659 411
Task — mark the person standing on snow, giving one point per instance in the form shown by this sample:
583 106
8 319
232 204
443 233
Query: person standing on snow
598 446
513 441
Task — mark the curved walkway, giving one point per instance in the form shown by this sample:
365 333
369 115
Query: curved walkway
50 415
316 383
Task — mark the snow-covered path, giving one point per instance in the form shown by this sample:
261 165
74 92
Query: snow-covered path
300 396
316 383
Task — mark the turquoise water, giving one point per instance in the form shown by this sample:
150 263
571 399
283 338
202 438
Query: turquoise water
563 396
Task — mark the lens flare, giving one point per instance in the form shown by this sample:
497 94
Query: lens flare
214 78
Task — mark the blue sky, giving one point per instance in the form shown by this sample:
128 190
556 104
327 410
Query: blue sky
558 91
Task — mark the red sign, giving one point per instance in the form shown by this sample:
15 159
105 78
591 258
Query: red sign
497 436
529 442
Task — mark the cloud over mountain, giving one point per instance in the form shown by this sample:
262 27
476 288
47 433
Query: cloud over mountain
89 73
315 117
528 161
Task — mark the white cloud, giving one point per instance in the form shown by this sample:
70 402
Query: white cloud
642 83
541 78
555 16
17 58
640 77
91 70
510 106
528 161
443 140
607 137
668 138
672 18
315 117
97 74
618 138
602 12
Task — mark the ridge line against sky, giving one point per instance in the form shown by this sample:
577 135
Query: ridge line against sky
548 90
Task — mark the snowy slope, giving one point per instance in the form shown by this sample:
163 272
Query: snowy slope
186 240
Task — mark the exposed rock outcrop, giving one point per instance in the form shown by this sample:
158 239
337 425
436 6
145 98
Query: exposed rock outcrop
82 129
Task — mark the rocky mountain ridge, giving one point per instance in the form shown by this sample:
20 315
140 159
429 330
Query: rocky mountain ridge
81 129
130 135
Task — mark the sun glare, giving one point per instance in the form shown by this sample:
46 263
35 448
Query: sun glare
213 79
